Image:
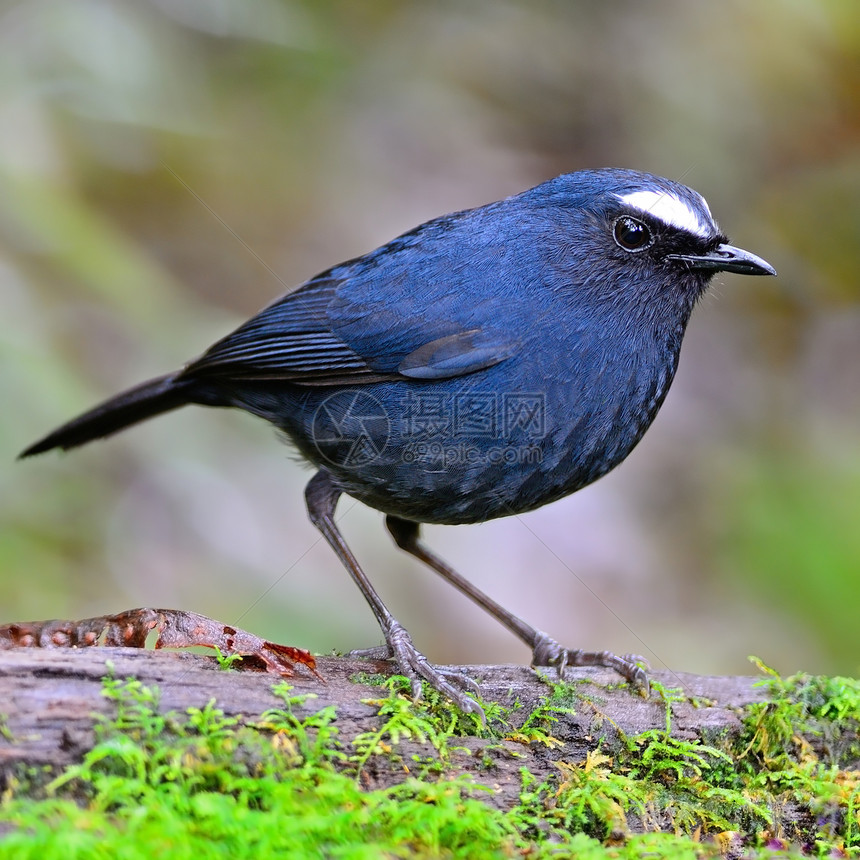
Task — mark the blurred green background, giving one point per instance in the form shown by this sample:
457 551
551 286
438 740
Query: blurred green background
167 167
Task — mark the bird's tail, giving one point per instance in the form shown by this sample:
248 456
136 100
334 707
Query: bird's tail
137 404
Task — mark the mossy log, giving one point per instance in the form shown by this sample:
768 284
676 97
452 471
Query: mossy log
723 764
48 699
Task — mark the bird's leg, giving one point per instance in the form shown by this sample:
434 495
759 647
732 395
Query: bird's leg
545 650
321 498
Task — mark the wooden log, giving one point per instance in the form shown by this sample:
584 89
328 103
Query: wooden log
48 699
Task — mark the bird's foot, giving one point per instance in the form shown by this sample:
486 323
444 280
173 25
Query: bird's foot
547 652
378 652
416 667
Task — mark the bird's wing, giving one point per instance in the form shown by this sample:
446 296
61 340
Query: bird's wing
291 340
295 340
402 311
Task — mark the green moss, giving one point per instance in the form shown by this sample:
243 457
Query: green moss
5 733
201 784
802 749
226 661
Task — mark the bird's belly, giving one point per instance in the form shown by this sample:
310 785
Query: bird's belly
464 451
478 466
463 482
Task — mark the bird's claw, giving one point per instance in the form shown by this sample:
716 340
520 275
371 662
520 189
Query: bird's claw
547 652
417 668
378 652
638 659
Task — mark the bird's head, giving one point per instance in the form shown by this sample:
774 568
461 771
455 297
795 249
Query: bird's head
641 236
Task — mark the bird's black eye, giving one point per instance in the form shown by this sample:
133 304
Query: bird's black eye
631 234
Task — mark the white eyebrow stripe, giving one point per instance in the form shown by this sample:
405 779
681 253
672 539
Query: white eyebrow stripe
669 209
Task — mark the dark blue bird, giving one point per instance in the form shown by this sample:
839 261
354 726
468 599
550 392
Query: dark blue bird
483 364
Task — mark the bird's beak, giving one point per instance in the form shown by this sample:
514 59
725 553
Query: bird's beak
727 258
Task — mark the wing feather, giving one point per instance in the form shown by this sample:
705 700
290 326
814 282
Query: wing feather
291 340
417 308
